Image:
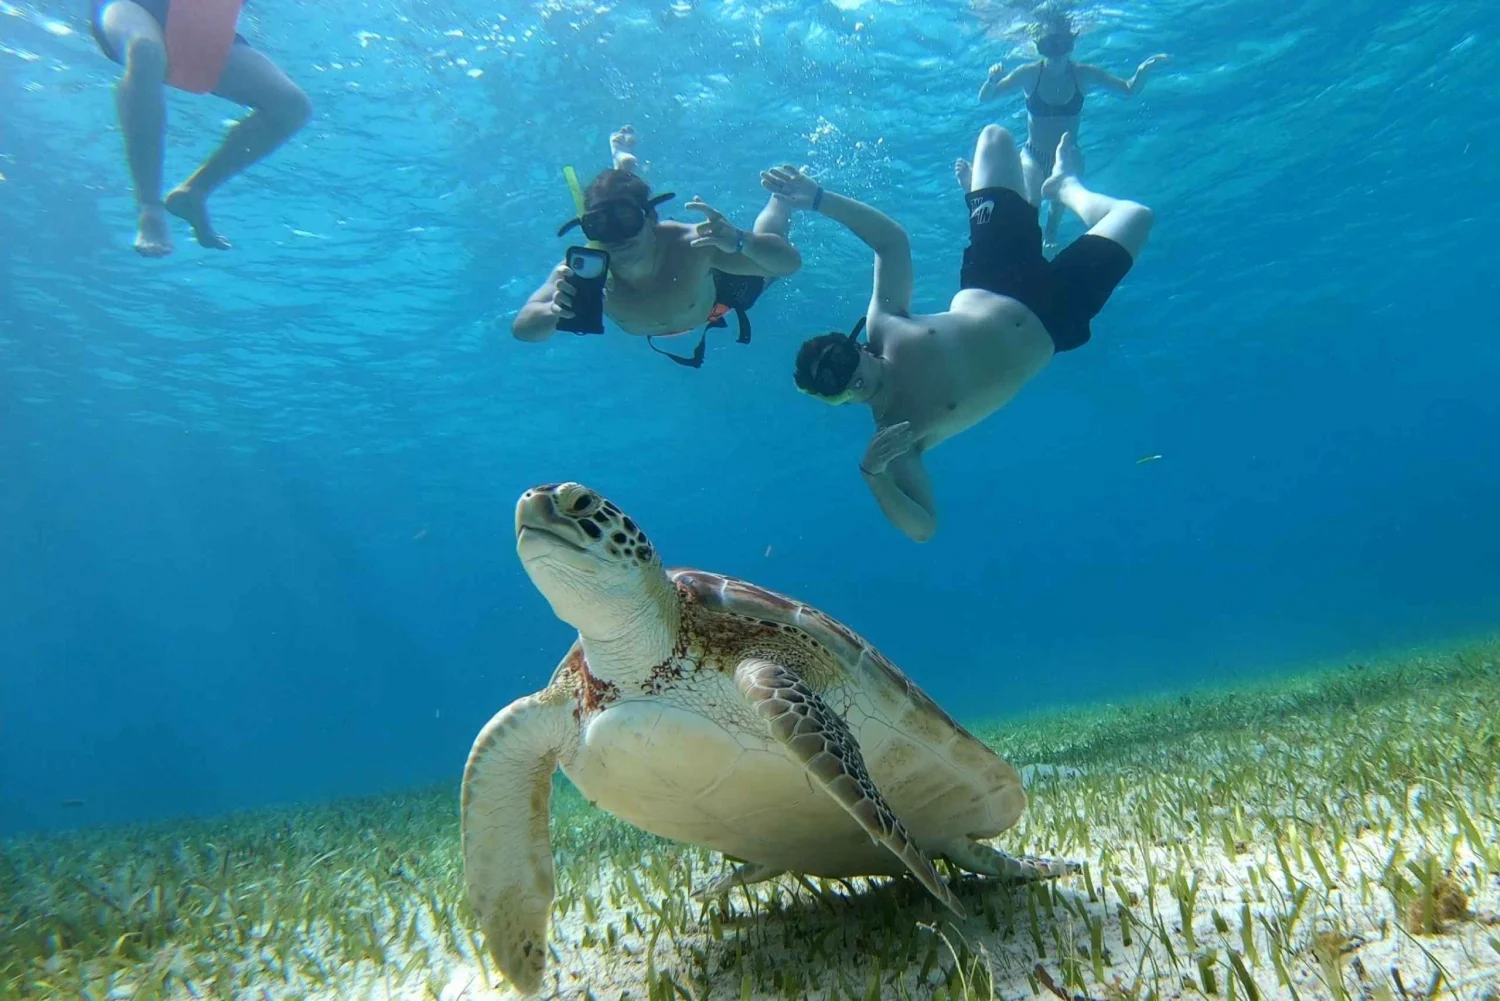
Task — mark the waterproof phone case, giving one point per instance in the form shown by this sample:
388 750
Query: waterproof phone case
589 267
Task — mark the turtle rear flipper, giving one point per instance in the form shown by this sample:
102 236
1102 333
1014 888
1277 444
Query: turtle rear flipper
741 875
507 847
976 856
818 739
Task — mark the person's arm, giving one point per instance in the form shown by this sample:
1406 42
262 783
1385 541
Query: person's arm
768 255
905 496
999 82
537 319
1104 78
742 251
882 234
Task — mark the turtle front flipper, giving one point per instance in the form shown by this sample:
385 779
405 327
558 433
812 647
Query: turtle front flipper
507 791
817 738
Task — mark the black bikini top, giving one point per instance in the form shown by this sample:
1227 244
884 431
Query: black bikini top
1041 109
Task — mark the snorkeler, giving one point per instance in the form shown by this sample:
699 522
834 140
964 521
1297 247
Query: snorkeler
1054 86
928 377
665 277
191 45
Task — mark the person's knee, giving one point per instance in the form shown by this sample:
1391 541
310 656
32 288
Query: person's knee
146 56
1141 218
996 137
291 108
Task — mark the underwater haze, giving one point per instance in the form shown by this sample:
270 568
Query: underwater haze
257 505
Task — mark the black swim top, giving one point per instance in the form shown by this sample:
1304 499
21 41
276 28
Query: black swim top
1041 109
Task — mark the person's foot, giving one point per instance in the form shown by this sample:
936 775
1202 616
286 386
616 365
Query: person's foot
622 148
1065 165
964 171
153 238
187 205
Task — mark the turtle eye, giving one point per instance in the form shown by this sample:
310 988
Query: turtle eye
583 503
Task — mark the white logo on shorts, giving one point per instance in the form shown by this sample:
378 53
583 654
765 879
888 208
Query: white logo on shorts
981 213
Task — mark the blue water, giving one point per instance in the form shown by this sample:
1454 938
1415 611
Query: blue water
257 505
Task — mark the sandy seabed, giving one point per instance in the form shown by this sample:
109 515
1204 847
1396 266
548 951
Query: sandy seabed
1333 834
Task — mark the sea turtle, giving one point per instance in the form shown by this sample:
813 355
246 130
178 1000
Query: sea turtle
714 712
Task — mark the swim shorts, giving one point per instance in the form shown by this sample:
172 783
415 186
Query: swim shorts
1004 256
156 8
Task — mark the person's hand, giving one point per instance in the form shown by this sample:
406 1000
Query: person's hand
715 230
791 184
1155 60
562 298
885 446
996 72
562 294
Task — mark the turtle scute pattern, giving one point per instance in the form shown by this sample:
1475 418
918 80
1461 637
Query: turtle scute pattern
730 614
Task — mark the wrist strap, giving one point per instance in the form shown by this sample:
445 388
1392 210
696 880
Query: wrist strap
818 198
739 240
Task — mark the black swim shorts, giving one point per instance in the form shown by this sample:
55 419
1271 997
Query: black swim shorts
156 8
1004 256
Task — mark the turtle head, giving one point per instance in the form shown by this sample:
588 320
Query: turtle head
592 562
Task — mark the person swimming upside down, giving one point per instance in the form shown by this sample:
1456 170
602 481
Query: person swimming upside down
190 45
665 277
926 378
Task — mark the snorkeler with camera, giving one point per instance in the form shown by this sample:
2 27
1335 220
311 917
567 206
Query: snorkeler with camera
657 277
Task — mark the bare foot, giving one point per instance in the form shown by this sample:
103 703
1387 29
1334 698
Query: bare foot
622 147
190 207
964 171
1065 165
153 238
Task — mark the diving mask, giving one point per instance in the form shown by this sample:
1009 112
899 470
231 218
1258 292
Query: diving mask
614 220
1056 43
831 378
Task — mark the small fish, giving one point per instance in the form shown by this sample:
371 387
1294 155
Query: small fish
1146 458
72 802
421 534
768 552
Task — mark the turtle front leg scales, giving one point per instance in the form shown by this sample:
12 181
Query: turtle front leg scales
507 846
818 739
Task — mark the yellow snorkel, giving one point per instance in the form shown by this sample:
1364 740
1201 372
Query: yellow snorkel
571 176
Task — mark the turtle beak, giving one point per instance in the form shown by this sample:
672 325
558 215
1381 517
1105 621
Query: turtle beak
542 529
